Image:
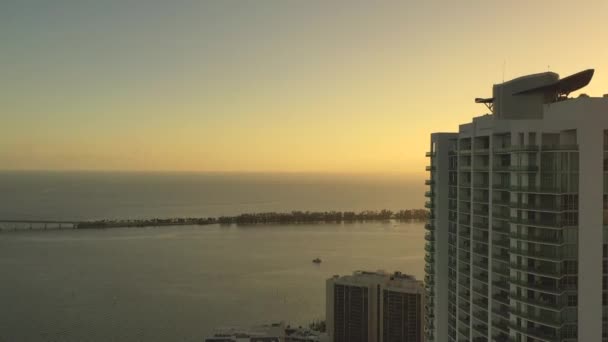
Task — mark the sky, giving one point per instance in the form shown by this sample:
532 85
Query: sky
268 86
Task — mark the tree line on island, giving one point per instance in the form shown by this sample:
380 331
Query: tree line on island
325 216
268 218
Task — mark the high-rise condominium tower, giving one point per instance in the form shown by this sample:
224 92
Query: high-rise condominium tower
516 241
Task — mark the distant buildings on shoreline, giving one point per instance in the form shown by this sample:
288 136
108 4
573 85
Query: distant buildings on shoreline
362 307
375 307
278 332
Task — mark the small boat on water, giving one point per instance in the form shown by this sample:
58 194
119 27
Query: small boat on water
316 260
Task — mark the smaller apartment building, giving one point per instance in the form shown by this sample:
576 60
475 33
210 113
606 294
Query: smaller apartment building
374 307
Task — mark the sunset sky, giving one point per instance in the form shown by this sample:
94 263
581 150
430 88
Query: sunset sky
281 86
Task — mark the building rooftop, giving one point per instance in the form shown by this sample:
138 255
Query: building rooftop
524 97
393 280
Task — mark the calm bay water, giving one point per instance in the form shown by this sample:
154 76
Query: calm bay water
178 283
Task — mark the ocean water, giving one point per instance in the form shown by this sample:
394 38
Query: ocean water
179 283
94 195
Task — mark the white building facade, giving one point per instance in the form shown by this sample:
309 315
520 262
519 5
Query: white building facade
516 242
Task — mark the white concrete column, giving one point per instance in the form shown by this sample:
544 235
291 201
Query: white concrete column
590 239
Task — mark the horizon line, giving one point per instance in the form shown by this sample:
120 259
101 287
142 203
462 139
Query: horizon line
252 172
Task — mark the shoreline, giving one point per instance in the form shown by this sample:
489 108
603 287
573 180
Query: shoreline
267 218
247 219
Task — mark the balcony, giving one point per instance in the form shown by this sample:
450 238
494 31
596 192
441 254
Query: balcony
464 245
464 307
464 294
483 199
545 271
464 282
523 168
501 149
480 303
544 334
430 154
550 287
547 302
481 168
549 239
501 298
545 207
481 238
429 247
502 325
542 317
429 204
502 243
502 256
429 226
464 197
501 311
464 222
481 263
429 259
501 227
547 254
430 168
502 215
452 228
503 285
465 209
464 332
464 168
516 148
429 194
481 250
464 184
464 232
464 269
501 202
429 269
429 236
429 182
502 270
501 186
555 224
452 206
539 190
559 148
481 276
481 227
480 212
481 185
481 290
481 329
464 256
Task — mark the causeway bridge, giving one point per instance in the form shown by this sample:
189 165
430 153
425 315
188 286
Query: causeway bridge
18 225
